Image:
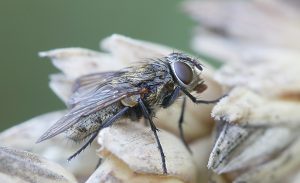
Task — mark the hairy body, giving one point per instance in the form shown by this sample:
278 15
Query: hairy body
100 99
156 84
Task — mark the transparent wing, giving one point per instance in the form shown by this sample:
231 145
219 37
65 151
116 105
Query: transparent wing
86 86
92 93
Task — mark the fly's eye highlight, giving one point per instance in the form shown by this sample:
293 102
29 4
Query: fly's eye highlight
183 72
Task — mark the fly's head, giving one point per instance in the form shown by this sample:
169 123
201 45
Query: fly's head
186 71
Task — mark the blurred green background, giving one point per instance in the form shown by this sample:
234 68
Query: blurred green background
30 26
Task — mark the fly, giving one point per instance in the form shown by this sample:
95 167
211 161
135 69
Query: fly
101 99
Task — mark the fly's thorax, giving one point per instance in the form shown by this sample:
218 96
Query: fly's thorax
154 78
91 123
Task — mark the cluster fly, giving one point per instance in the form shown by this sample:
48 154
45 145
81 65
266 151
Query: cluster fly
101 99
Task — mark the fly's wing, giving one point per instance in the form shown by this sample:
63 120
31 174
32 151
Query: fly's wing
89 98
87 85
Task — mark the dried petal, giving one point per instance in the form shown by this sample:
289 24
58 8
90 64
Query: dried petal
268 72
294 178
61 86
254 151
247 108
130 51
75 62
113 170
278 169
229 138
24 136
201 150
135 146
235 23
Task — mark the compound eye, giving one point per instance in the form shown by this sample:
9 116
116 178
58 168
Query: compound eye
183 72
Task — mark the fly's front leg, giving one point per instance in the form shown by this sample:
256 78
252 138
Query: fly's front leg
181 120
197 101
169 101
154 129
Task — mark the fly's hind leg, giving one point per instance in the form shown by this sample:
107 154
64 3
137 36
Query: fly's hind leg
105 124
94 135
154 129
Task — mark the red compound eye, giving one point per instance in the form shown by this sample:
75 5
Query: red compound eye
183 72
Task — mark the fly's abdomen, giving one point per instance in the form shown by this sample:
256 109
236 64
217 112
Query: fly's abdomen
91 123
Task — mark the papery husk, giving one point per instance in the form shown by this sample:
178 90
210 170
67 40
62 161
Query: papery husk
113 170
228 139
244 107
294 178
280 169
130 154
244 148
23 167
229 29
272 73
201 149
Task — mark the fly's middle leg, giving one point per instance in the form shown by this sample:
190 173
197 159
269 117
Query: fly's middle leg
154 129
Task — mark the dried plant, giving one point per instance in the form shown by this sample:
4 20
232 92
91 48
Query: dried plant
255 138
